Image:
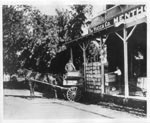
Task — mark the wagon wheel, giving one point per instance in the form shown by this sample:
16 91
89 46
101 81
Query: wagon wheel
74 94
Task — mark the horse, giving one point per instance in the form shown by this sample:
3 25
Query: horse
33 77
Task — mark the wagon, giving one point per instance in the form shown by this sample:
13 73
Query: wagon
74 81
71 83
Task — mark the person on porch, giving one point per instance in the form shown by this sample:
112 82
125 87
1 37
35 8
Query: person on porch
119 73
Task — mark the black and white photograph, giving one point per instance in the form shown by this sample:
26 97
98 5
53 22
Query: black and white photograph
75 61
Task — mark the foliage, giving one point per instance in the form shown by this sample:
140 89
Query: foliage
71 23
75 29
78 20
31 39
13 32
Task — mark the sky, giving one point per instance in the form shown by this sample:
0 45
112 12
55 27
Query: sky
50 8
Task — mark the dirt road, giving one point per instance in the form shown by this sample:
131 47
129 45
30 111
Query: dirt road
18 105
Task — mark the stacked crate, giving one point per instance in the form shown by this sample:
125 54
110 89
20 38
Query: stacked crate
93 77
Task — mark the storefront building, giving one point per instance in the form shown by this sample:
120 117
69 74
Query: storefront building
124 26
115 52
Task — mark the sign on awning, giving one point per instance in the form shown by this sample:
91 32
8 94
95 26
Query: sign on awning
125 17
130 16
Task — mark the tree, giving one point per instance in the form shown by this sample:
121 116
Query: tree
71 23
31 39
44 44
75 29
78 20
13 32
63 18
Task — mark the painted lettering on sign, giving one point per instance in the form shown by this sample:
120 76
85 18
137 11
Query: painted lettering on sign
128 15
102 26
120 19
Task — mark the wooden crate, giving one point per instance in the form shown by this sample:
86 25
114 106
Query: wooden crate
110 77
142 83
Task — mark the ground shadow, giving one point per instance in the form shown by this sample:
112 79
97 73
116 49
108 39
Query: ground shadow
22 96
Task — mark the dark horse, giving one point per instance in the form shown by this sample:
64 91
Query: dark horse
33 77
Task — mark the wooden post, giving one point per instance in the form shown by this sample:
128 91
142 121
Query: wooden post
102 75
102 70
125 45
131 66
84 65
126 83
83 47
31 87
84 59
71 55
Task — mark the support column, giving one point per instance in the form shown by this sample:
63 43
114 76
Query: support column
71 55
102 69
125 45
126 82
84 47
84 65
102 77
84 61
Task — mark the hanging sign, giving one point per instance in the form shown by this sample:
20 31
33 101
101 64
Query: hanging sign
130 15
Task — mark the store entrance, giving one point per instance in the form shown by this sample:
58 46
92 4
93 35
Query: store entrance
137 60
115 58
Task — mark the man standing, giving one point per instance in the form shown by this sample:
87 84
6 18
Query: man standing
118 73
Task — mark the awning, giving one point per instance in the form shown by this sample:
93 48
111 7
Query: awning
122 14
113 20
